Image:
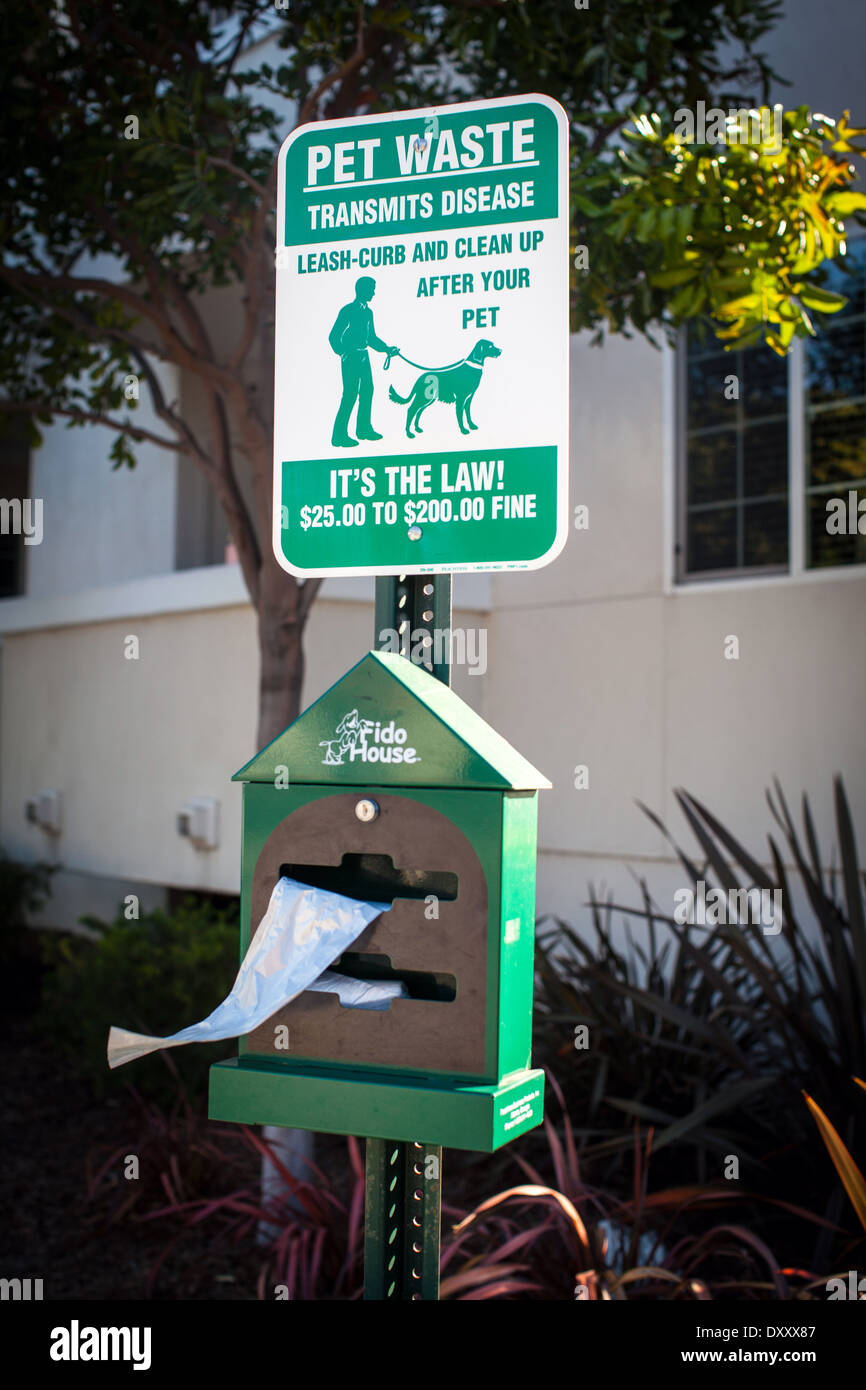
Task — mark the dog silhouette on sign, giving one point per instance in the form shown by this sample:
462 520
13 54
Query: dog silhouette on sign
457 383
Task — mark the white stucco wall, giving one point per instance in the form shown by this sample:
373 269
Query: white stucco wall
100 526
596 660
600 660
129 742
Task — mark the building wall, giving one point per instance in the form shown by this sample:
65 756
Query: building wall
102 526
129 742
611 665
600 660
596 660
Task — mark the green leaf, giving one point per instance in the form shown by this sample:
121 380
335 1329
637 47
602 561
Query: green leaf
587 206
852 1179
845 203
824 300
852 878
731 1098
666 279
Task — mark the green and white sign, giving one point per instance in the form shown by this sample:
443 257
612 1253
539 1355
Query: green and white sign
421 390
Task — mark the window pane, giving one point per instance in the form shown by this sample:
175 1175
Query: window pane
712 542
764 384
706 403
835 434
765 533
836 363
712 467
845 276
735 449
10 583
836 446
14 481
765 459
844 545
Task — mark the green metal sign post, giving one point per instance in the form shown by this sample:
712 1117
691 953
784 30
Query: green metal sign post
437 448
402 1214
403 1181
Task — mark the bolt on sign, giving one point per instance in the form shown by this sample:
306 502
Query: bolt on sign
421 389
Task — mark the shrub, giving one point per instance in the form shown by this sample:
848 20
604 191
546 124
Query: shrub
709 1034
316 1246
530 1241
155 975
23 890
576 1241
179 1154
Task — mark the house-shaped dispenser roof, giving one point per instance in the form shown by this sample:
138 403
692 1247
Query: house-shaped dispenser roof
388 721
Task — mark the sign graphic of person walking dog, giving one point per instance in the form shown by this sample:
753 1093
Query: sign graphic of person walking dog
352 334
447 228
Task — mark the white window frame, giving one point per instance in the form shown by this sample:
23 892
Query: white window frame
674 434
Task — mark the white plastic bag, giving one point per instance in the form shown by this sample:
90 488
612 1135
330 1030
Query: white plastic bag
303 931
360 994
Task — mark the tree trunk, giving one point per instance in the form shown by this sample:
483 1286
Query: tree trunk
281 667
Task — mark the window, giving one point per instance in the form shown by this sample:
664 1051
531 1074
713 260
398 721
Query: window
834 384
772 451
735 494
201 533
14 482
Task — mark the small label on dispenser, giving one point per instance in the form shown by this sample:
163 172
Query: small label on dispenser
512 931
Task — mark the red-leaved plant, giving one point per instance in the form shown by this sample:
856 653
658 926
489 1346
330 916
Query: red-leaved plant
536 1240
575 1241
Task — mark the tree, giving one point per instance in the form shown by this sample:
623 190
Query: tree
729 229
145 132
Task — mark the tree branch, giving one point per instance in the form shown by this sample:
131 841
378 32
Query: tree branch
107 289
308 110
87 417
219 163
93 332
166 413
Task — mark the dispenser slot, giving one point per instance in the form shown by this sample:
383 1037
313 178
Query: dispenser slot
373 878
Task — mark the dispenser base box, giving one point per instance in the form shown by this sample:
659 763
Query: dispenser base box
482 1118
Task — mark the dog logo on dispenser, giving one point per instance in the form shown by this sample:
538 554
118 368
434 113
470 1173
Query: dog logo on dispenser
369 741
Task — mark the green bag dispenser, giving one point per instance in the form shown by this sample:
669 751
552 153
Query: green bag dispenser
391 788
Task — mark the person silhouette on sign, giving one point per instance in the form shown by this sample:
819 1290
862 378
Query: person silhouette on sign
352 334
